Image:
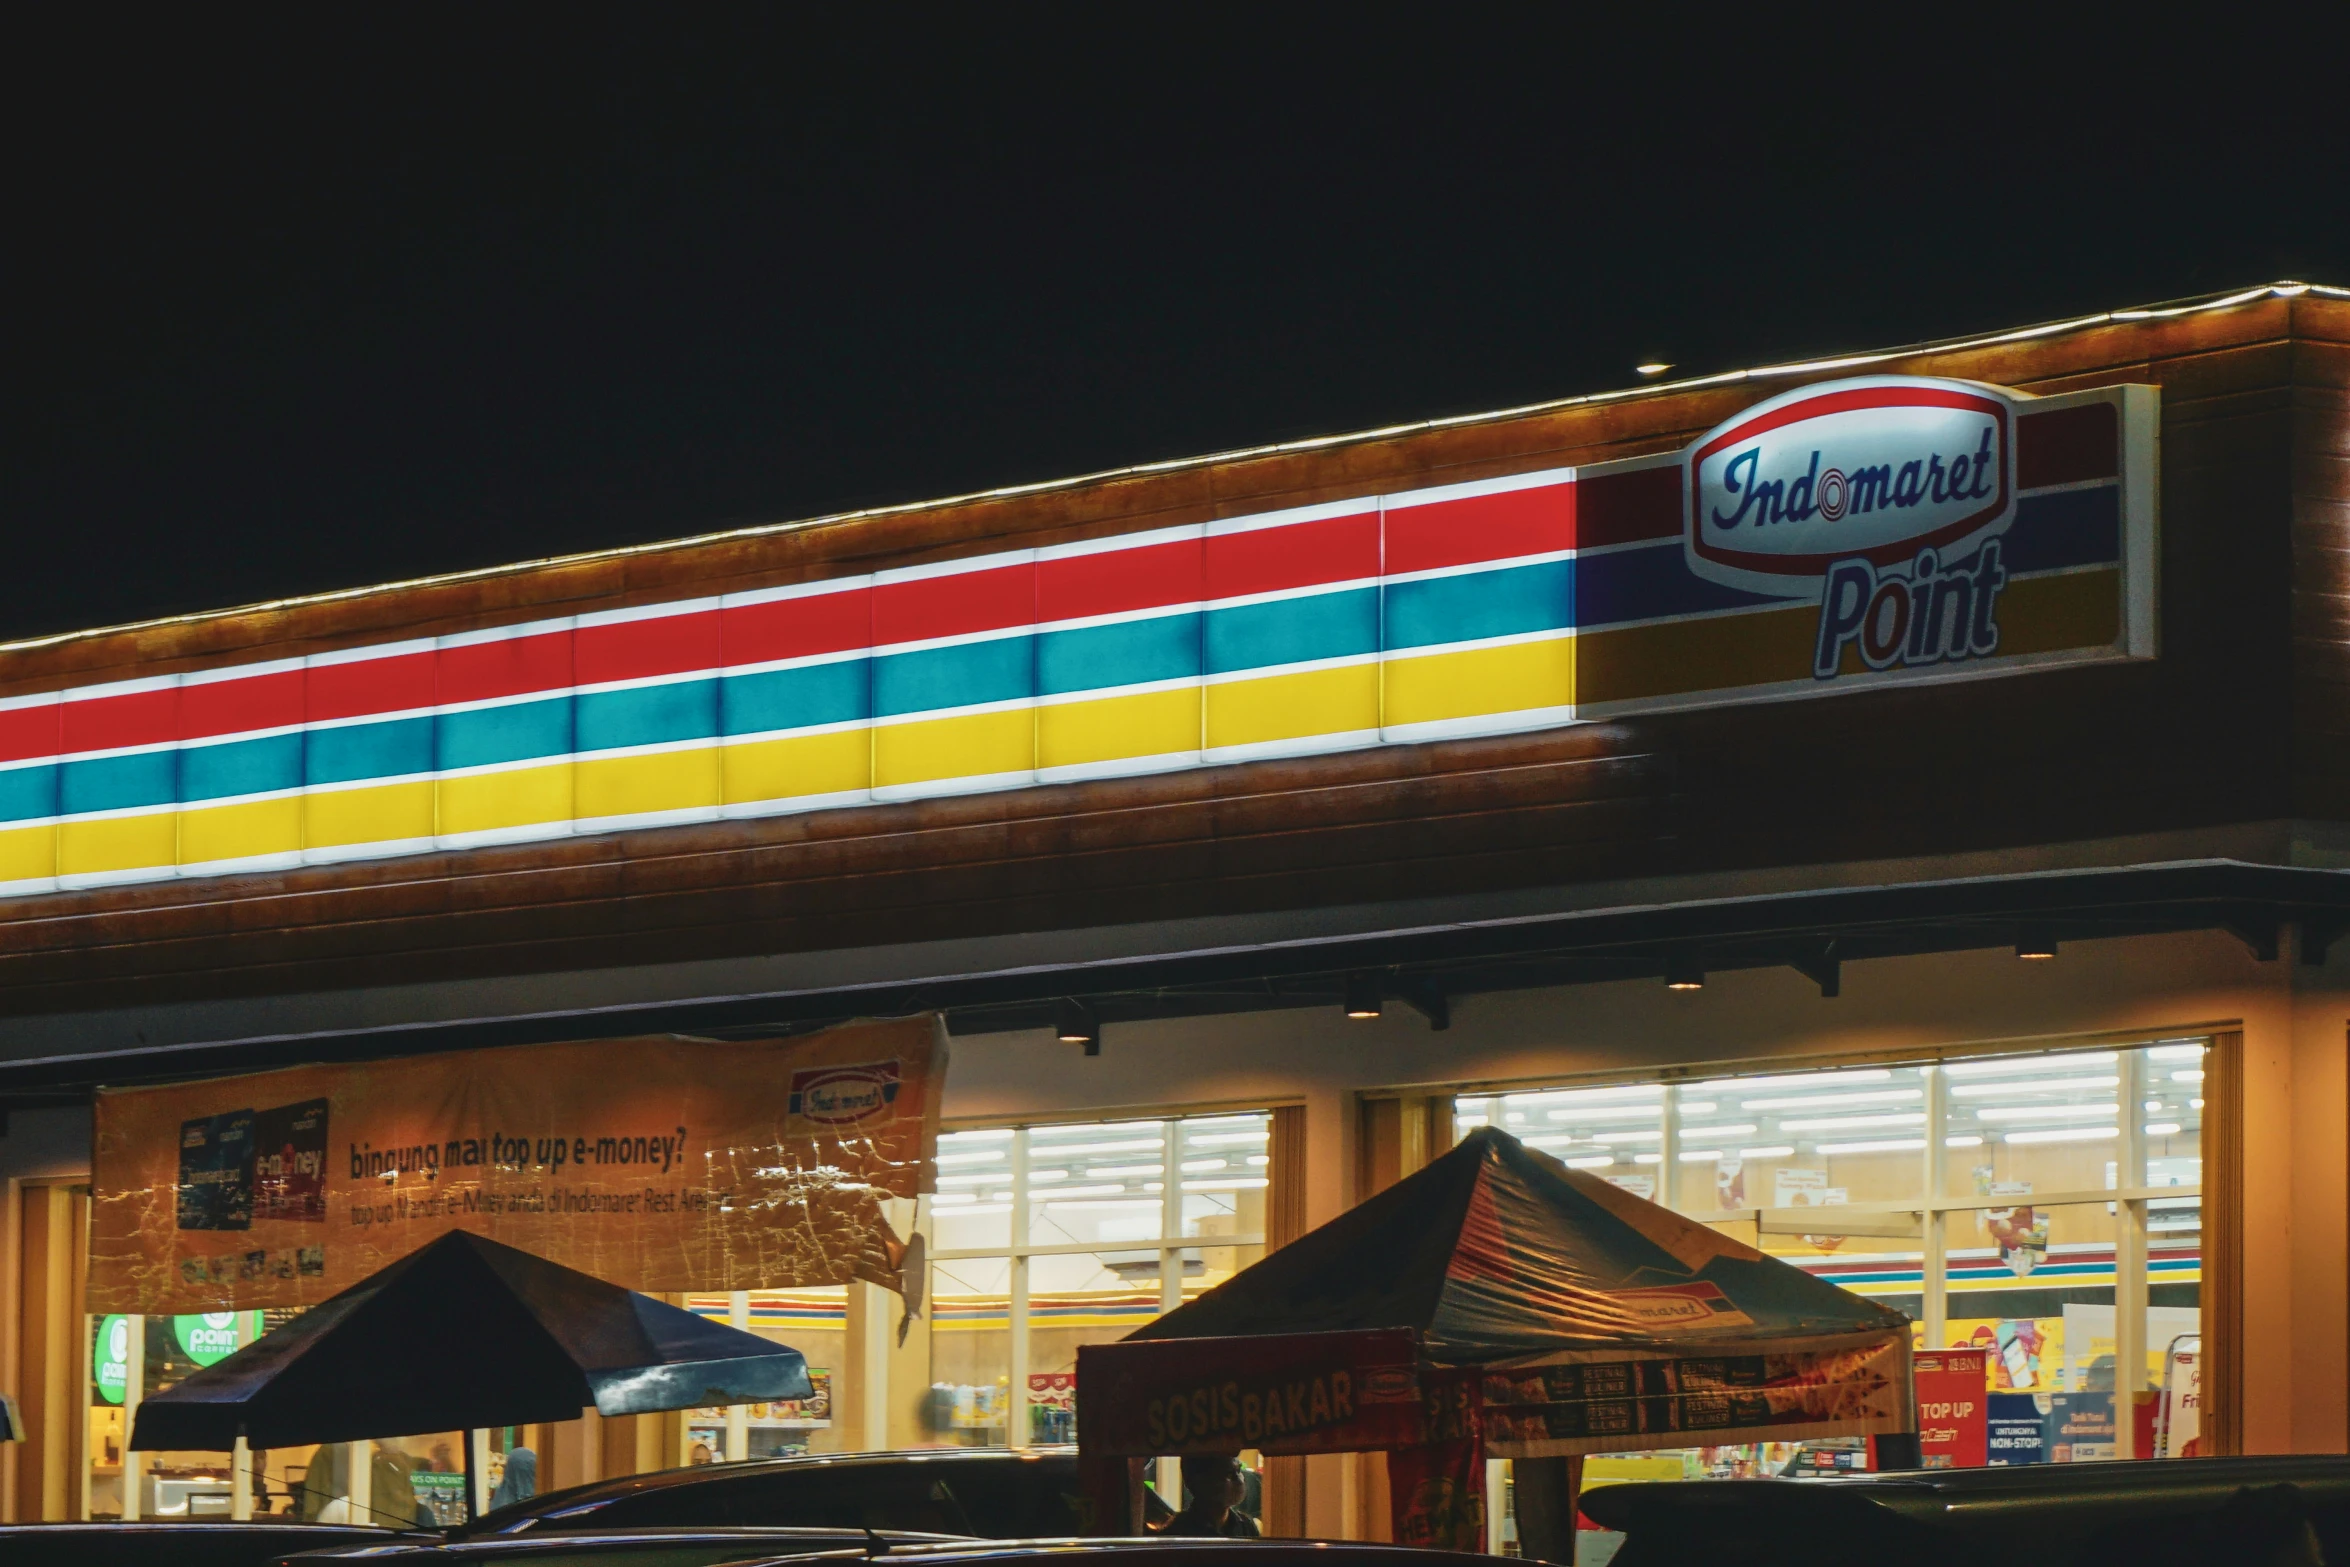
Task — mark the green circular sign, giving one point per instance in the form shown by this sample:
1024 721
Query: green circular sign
210 1335
110 1358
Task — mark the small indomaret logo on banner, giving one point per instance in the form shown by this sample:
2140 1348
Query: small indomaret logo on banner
1886 496
1667 1307
844 1095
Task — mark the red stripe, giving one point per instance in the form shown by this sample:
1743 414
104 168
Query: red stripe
28 732
510 666
220 707
797 627
2067 446
641 649
1112 582
1474 528
109 722
955 605
1296 555
367 686
1625 508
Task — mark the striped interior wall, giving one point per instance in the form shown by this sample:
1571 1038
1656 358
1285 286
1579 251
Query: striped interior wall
1506 604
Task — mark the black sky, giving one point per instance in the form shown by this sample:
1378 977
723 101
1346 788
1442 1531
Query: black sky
297 304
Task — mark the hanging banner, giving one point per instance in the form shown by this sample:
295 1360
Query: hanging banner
659 1164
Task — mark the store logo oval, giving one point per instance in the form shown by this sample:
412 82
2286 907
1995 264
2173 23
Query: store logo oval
1875 468
844 1095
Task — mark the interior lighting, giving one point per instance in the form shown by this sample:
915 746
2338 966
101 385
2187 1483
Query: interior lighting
1586 1095
1885 1145
2194 1104
2064 1134
1237 1183
2045 1112
1741 1129
2153 1105
952 1199
1037 1175
1227 1140
1874 1096
1257 1159
1621 1112
1626 1137
1469 1120
1130 1145
2176 1053
2192 1075
1097 1172
1107 1189
989 1156
1968 1140
1152 1203
1093 1128
1001 1134
2045 1085
1363 998
2008 1065
1775 1151
1842 1123
1595 1162
979 1178
2163 1129
1683 971
1653 368
1076 1025
1701 1156
1199 1166
1648 1158
1555 1140
2035 945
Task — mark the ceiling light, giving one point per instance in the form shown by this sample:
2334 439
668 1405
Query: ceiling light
1683 971
2064 1134
2045 1085
1363 998
1838 1123
2038 945
1819 1080
2007 1065
1652 368
2193 1076
1076 1025
2163 1129
1875 1096
1598 1162
1701 1156
2045 1112
1890 1145
1775 1151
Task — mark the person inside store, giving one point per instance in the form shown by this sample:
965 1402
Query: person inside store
1214 1484
520 1482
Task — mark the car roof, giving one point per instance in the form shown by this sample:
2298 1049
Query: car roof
1004 1551
758 1540
1968 1499
597 1494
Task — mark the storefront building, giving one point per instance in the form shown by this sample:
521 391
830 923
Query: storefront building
1690 781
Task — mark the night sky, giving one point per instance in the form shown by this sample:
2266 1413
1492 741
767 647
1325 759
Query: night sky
294 305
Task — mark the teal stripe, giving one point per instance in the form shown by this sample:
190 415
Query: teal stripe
1090 658
1001 670
1293 630
28 793
353 753
1508 601
520 732
648 715
213 772
115 783
836 693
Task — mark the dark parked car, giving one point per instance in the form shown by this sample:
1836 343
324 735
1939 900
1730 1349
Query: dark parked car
2258 1512
1155 1551
168 1544
617 1548
992 1493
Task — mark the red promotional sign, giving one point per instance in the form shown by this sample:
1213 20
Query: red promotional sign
1953 1408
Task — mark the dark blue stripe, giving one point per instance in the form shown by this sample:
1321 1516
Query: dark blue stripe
115 783
836 693
349 753
28 792
2069 528
1291 631
1128 653
212 772
1503 602
1002 670
521 732
647 715
1642 584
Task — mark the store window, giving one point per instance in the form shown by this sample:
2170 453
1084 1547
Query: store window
2045 1208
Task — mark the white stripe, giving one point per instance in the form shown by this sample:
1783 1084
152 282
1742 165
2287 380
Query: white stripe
361 655
1510 639
1541 479
1317 590
1014 705
803 661
1120 767
209 677
1302 667
796 590
1360 506
1124 541
1026 628
529 628
949 568
1103 693
621 617
976 783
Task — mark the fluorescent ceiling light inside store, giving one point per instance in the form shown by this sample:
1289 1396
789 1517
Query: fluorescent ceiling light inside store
1624 1112
1701 1156
1599 1163
1887 1145
2054 1085
1839 1123
2176 1053
2163 1129
2063 1134
2008 1066
1064 1150
1580 1096
1870 1096
1227 1140
1816 1080
2046 1112
1776 1151
998 1135
990 1156
2194 1076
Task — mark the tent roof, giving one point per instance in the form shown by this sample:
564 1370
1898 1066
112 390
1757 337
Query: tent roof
1495 1252
460 1333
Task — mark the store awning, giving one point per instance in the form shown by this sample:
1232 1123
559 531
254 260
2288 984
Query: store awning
461 1334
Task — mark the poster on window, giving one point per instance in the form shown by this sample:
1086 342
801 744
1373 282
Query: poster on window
661 1164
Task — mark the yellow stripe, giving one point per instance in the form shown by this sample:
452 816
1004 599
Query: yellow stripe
639 785
28 853
1292 707
796 766
972 746
490 802
237 832
1472 682
1148 723
119 843
2039 615
387 813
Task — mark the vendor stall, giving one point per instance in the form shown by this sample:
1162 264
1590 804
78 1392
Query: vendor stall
1495 1304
